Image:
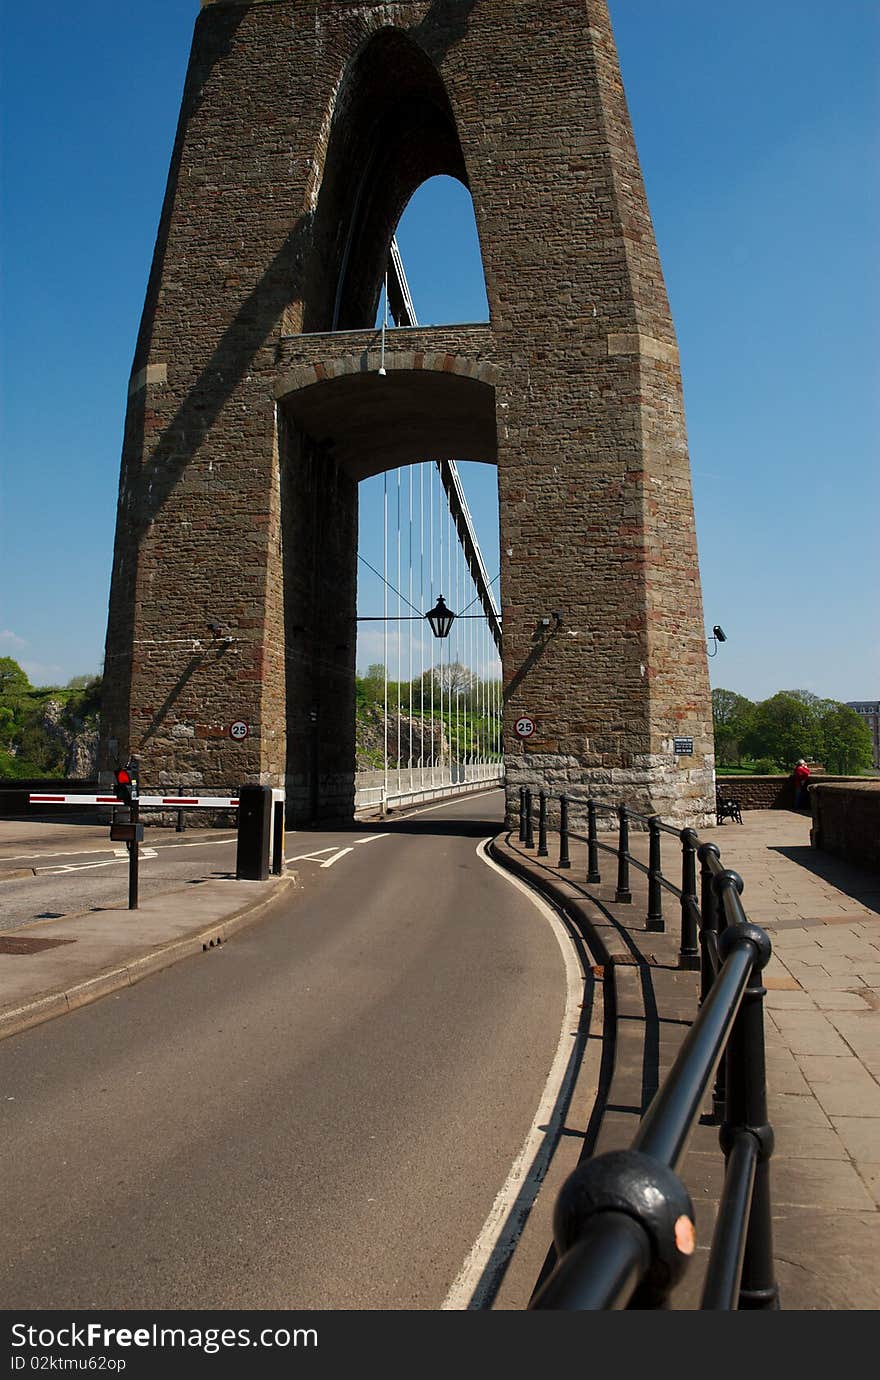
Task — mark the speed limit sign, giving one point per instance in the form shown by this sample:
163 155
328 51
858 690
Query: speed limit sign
524 726
238 730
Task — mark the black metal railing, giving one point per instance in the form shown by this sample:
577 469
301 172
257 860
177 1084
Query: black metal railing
624 1223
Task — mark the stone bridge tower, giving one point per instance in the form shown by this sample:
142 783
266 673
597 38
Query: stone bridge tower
255 403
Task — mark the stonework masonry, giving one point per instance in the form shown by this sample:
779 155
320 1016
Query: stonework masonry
305 127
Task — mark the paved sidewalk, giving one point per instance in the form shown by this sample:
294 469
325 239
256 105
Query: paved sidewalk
822 1034
823 1055
53 966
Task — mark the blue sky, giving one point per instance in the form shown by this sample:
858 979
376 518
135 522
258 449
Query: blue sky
757 128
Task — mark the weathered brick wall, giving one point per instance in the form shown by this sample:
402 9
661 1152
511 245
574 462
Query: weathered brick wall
291 166
846 821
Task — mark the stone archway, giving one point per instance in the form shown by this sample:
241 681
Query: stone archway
340 422
298 145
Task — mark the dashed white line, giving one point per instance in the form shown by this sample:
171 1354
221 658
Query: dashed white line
371 838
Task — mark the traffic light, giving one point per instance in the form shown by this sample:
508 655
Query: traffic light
126 783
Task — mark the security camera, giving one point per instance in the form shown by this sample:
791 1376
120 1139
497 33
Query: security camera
719 633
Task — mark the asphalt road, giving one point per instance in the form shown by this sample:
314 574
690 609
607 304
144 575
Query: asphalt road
319 1114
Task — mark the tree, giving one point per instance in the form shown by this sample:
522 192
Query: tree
13 680
456 679
846 740
783 728
732 716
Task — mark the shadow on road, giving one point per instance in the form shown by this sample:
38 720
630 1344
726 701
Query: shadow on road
438 828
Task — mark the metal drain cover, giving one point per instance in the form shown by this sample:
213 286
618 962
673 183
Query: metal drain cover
25 944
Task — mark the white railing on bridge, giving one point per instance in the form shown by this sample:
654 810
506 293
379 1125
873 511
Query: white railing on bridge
409 785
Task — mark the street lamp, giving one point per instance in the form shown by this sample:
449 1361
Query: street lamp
440 618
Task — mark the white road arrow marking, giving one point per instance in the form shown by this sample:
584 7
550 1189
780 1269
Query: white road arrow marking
336 856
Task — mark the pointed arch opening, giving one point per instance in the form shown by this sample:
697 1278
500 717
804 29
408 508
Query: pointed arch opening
393 128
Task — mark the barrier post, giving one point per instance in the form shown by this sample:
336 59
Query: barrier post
277 838
254 831
133 859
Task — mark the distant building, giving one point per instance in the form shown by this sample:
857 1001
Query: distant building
870 712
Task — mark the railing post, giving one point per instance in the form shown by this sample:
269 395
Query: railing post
543 850
522 814
719 881
564 859
530 828
592 844
747 1113
708 918
623 892
689 954
655 872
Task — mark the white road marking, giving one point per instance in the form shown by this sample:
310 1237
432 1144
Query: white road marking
530 1165
121 856
84 852
73 867
371 838
336 856
315 854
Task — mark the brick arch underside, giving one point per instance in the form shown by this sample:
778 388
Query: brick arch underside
392 129
369 423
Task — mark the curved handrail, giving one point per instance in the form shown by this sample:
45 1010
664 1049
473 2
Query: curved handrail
624 1222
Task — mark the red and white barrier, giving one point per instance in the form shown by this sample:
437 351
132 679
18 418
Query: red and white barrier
172 802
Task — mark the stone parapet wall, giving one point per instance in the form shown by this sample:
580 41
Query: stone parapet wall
758 792
846 821
768 792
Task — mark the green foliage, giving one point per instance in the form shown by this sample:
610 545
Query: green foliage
783 728
34 738
732 716
765 766
13 681
769 737
846 740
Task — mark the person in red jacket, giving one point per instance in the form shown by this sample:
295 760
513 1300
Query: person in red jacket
801 777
